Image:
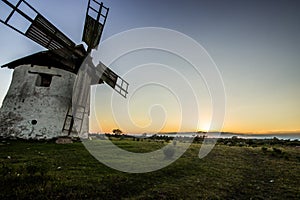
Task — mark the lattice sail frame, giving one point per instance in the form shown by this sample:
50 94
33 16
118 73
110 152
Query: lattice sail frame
96 15
40 30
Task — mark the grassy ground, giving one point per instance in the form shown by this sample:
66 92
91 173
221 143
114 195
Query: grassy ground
45 170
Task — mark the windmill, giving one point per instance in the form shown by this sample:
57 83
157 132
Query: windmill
46 84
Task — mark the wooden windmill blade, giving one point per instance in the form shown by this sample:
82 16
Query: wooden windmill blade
112 79
40 29
96 15
87 76
81 95
95 20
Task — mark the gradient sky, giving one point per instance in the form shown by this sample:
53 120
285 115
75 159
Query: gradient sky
255 44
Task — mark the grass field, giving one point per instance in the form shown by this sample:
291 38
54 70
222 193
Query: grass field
46 170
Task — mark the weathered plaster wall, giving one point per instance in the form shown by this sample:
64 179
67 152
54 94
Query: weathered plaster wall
30 111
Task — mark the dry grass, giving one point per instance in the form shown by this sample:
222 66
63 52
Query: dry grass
45 170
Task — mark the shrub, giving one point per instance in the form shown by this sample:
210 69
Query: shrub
278 151
264 149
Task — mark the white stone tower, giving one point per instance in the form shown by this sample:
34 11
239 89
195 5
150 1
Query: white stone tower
40 103
37 102
39 97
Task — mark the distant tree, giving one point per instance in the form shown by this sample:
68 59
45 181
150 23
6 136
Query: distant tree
117 131
234 137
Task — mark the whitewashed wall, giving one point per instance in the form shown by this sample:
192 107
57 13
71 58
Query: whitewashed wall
26 103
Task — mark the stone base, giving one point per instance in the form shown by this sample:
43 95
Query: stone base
64 140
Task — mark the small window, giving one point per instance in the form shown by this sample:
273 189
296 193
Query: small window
43 80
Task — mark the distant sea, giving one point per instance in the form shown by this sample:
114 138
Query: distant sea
281 136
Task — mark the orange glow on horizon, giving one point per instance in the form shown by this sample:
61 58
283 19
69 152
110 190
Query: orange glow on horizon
108 127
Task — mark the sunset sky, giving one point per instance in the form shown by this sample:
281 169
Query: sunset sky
255 45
